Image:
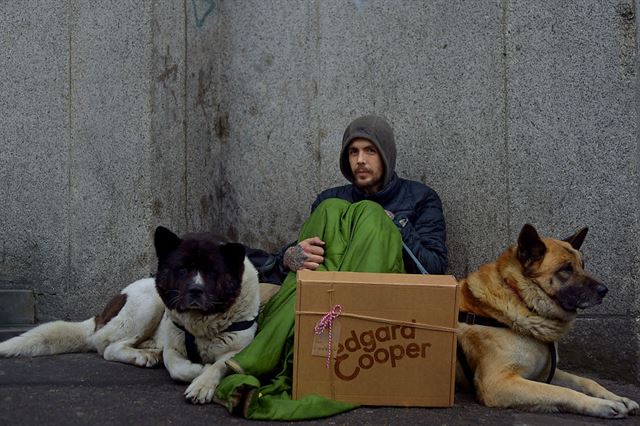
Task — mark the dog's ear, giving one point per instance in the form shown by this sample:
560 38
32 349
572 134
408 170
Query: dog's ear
165 242
577 239
233 255
530 247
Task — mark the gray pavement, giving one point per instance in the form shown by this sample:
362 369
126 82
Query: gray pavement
85 389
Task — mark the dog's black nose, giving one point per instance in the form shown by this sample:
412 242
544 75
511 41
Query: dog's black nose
195 291
602 290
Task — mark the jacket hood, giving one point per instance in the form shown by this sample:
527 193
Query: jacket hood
375 129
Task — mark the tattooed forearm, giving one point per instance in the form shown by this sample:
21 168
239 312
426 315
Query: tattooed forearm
294 258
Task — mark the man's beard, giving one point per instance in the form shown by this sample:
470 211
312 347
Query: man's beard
369 187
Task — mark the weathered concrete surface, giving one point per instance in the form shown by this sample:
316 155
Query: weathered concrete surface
108 148
17 308
75 152
95 146
168 117
269 159
85 389
203 97
34 159
205 114
603 343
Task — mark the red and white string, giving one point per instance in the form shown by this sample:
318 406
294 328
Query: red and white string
327 322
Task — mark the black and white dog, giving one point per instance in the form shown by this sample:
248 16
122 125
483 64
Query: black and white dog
198 312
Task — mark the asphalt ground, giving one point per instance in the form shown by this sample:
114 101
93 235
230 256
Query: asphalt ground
84 389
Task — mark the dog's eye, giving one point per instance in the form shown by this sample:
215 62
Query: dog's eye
183 272
567 269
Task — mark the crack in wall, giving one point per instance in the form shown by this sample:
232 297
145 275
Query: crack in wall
70 145
505 112
185 117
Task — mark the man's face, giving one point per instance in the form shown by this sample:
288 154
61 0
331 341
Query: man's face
366 165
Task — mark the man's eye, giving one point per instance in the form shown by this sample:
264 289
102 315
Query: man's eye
371 151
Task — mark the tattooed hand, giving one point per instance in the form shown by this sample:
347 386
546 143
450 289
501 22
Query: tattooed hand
307 254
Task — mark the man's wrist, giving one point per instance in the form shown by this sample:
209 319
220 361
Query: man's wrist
294 258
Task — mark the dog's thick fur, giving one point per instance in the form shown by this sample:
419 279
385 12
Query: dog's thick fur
203 285
535 288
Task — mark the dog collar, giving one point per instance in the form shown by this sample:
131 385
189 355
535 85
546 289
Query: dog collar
473 319
190 341
240 325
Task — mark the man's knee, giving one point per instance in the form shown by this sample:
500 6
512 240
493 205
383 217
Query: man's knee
331 204
370 211
370 208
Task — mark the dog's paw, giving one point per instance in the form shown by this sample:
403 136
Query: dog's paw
631 405
147 358
610 409
201 390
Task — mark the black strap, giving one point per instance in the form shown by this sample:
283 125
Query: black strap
554 361
473 319
190 345
466 369
240 325
190 340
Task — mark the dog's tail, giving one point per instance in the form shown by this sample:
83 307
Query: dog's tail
51 338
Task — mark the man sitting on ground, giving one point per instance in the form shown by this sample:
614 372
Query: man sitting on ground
378 223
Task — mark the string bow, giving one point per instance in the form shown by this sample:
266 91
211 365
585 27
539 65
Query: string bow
326 322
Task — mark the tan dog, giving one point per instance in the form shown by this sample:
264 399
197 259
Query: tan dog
531 294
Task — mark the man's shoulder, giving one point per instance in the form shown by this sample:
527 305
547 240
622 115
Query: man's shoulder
418 188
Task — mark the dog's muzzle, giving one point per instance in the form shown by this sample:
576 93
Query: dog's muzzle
582 295
195 297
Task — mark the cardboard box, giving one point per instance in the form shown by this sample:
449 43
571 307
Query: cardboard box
392 344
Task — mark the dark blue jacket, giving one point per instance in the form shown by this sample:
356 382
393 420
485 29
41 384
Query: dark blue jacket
418 216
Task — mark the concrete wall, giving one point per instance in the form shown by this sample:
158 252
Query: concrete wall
74 155
206 114
101 116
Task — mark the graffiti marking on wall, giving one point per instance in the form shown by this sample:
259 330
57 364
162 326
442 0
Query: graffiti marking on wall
209 5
